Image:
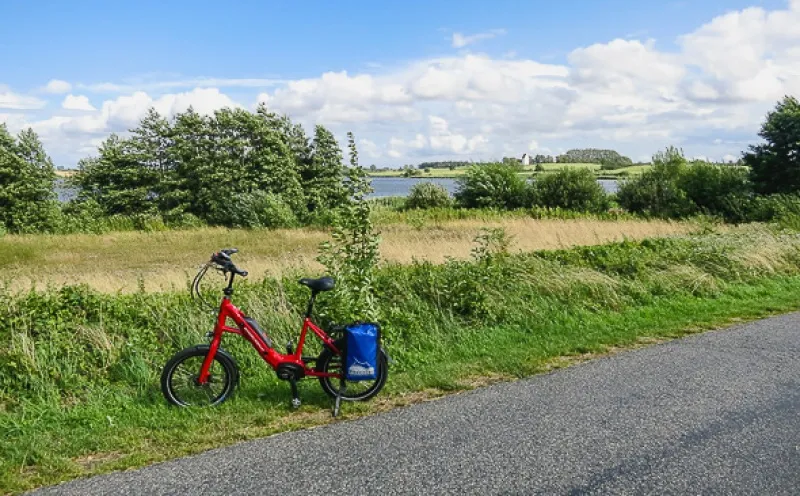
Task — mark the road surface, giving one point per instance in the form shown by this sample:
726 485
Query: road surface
716 413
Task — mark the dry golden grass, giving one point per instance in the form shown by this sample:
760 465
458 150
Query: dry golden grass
164 260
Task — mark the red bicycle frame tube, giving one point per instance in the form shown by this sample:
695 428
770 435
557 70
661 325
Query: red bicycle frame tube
228 310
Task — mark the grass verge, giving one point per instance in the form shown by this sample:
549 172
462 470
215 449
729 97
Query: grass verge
110 435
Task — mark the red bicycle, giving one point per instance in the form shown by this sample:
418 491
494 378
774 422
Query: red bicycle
206 375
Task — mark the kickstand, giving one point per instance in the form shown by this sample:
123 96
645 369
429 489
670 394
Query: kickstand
342 389
295 396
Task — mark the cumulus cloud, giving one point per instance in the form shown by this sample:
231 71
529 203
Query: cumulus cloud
77 102
57 87
715 83
369 148
189 83
71 137
14 101
460 40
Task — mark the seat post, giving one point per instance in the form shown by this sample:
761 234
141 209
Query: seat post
311 303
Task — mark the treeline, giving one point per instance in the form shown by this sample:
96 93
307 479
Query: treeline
448 164
234 168
606 158
27 199
673 188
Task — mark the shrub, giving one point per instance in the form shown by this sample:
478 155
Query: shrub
573 189
784 209
428 195
273 211
493 185
256 209
717 190
656 192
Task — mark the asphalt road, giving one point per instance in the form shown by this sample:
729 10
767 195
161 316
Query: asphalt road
717 413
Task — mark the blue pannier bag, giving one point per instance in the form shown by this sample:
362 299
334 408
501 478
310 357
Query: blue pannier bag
361 352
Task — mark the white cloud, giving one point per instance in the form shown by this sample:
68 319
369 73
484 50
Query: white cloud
57 86
369 148
750 54
190 83
717 82
460 40
13 121
77 102
14 101
71 137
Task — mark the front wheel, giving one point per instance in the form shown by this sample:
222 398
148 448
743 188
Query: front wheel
355 391
179 378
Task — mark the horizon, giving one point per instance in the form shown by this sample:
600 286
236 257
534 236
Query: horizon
415 83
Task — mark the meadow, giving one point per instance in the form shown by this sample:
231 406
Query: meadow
163 260
79 373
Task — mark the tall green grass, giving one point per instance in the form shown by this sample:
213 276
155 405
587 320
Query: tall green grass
75 362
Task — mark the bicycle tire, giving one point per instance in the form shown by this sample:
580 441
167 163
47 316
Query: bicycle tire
228 366
327 383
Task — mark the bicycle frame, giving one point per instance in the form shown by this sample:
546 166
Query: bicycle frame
228 310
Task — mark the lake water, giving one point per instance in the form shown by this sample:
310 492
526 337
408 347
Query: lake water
383 186
400 186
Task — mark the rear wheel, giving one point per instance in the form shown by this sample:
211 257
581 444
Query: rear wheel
179 378
330 363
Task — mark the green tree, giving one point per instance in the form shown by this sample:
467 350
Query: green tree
352 255
717 189
234 152
570 188
323 174
428 195
657 192
117 180
775 165
152 140
27 199
494 185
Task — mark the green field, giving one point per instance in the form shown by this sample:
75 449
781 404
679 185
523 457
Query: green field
79 373
528 171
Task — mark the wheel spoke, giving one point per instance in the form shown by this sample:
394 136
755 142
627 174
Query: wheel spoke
185 388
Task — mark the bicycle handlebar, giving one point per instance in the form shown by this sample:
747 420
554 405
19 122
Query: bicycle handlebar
223 259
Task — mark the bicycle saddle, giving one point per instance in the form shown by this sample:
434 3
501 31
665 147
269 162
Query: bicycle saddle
322 284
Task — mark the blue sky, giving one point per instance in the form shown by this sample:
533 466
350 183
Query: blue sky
444 80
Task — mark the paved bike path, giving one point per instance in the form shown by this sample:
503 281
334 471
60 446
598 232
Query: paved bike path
717 413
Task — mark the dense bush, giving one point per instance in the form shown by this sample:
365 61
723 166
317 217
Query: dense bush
677 188
717 190
252 210
656 192
569 188
428 195
494 185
